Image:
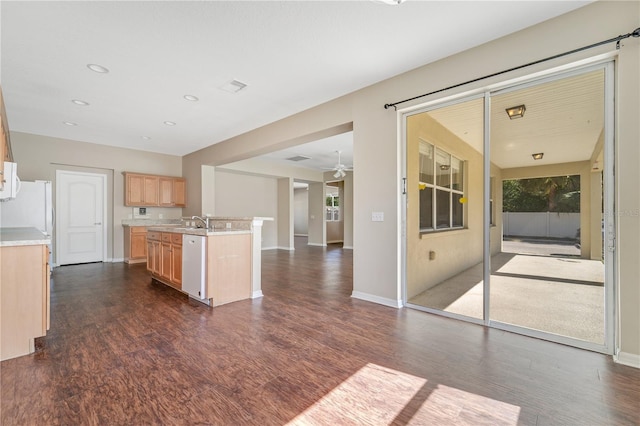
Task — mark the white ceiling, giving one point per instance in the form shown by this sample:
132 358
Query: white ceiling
292 55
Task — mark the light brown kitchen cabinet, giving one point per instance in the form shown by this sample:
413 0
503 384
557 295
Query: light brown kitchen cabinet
154 244
164 257
142 190
172 192
24 312
135 244
5 140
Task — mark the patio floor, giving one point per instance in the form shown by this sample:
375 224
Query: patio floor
562 295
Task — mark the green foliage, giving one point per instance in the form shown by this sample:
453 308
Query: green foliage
553 194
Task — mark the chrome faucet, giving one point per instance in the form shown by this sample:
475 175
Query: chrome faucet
205 221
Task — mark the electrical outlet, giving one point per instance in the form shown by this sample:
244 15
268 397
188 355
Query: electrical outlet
377 216
228 225
160 216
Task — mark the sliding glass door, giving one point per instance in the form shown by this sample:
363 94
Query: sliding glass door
505 210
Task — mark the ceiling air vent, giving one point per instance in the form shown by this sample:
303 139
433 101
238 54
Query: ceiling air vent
234 86
298 158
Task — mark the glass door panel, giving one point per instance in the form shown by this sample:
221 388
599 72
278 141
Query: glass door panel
444 227
547 257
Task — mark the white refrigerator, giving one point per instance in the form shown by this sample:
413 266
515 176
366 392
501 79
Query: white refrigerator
32 207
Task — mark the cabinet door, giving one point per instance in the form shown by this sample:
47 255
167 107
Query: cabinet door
157 257
151 190
166 192
134 193
180 192
150 256
176 265
138 245
165 261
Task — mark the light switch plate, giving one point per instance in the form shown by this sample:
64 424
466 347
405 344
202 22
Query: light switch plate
377 216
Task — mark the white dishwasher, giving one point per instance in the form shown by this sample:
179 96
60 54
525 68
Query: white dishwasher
194 263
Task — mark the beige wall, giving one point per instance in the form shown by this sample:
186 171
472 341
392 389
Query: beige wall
39 157
377 255
316 223
242 195
301 211
285 214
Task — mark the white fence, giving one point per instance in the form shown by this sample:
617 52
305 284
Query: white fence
545 224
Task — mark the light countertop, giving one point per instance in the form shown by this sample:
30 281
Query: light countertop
10 237
198 231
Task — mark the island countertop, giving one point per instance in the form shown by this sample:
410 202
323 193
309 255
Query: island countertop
197 231
10 237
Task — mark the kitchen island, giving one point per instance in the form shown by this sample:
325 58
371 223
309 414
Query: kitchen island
24 290
215 265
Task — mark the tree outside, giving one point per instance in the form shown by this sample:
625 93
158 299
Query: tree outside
559 194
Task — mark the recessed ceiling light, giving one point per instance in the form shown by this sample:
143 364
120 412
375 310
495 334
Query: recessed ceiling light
146 138
538 155
79 102
70 123
191 98
98 68
169 123
234 86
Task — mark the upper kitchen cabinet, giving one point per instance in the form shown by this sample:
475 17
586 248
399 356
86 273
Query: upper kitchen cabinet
172 192
143 190
5 142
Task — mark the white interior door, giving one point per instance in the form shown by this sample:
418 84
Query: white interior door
81 213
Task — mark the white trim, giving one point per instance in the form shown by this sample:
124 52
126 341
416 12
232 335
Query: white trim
625 358
116 260
285 248
316 244
269 248
300 235
377 299
335 241
257 294
347 247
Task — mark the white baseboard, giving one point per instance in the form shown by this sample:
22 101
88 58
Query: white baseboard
256 294
116 259
270 248
300 235
377 299
335 241
317 245
625 358
348 247
286 248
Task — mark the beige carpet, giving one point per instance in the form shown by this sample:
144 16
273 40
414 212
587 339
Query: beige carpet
563 296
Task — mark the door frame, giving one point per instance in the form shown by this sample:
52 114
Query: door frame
104 227
606 63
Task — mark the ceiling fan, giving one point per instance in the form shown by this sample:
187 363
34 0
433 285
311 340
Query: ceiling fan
340 169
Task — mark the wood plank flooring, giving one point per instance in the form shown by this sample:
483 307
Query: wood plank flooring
123 350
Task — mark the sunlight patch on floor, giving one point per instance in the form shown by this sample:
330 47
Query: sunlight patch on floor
376 395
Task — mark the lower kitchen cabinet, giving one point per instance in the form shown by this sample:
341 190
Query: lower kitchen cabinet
25 289
135 244
164 257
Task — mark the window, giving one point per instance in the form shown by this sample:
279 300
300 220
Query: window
441 182
333 207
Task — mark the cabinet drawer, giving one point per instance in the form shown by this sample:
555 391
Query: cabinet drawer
166 237
176 239
153 235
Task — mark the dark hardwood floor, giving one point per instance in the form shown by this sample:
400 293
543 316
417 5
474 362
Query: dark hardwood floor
124 350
